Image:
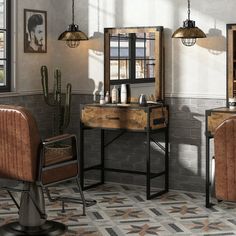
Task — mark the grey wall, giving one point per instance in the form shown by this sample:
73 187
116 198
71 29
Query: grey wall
72 62
187 141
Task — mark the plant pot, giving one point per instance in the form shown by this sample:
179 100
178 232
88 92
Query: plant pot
55 155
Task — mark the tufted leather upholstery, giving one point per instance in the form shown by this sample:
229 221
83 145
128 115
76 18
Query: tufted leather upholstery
24 157
19 142
20 149
225 160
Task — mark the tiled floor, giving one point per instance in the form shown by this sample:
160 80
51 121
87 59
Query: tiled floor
123 210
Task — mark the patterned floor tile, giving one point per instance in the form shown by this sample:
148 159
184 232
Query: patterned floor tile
208 225
144 229
171 197
184 210
127 213
123 210
114 201
83 231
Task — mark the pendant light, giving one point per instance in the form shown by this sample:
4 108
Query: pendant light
189 32
73 35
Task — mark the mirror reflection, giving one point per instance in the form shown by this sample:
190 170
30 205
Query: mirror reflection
132 52
134 56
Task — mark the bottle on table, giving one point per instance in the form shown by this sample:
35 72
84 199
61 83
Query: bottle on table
123 94
114 95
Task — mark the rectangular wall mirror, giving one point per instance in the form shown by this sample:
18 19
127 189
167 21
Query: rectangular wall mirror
134 56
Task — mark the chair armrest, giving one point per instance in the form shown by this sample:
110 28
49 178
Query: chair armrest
58 138
51 157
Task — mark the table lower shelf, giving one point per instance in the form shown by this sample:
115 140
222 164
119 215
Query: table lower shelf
152 176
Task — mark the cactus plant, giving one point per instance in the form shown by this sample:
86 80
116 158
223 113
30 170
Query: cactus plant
61 117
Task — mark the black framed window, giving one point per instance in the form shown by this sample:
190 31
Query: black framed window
5 45
120 57
132 57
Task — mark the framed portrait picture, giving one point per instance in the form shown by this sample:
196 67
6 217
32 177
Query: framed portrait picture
35 31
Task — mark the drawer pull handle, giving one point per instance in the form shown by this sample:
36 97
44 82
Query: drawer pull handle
112 118
158 121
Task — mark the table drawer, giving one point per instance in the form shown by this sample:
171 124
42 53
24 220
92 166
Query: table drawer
124 117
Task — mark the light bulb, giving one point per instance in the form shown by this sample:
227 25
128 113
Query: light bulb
188 41
72 43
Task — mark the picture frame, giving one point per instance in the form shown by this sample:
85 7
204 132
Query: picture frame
35 31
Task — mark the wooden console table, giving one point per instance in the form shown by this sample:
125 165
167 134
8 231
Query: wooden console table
132 118
214 117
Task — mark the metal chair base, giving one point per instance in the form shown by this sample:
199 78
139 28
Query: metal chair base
50 228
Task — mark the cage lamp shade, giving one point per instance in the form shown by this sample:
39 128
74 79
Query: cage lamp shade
189 32
72 36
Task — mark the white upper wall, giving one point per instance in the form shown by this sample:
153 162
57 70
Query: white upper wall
198 71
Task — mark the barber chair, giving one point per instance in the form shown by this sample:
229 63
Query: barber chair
225 160
22 158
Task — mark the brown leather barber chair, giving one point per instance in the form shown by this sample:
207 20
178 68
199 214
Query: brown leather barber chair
22 158
225 160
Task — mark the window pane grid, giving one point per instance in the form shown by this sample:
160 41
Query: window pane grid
144 58
2 72
3 14
119 57
132 57
2 45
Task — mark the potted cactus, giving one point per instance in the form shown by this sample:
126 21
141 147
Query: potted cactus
61 115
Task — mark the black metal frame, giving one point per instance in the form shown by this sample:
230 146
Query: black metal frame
149 175
7 59
75 159
208 161
132 60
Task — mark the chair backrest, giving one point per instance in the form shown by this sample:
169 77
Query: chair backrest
19 144
225 160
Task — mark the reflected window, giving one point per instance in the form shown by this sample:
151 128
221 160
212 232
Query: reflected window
119 57
132 57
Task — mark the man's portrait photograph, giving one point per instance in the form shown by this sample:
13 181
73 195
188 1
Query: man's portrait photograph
35 31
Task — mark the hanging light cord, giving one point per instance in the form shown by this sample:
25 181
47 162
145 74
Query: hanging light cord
73 12
188 9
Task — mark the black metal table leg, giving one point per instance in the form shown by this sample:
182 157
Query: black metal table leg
81 157
102 156
167 158
99 167
208 204
148 177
